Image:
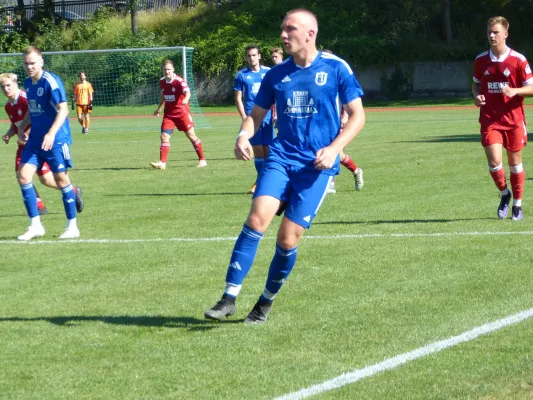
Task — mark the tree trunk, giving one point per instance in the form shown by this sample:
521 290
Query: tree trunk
49 8
446 21
133 12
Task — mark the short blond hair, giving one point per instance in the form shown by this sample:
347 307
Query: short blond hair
9 75
498 20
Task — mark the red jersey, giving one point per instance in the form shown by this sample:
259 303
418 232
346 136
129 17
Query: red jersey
174 92
493 74
17 110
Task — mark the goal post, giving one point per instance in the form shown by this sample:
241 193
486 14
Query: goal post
125 81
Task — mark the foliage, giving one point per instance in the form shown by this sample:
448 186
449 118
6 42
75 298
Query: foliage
364 33
13 42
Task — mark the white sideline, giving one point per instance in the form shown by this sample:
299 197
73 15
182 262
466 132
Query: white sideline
391 363
231 238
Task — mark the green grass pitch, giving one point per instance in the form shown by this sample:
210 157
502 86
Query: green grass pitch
415 257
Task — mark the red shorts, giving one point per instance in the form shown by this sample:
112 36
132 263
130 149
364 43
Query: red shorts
182 123
512 139
41 171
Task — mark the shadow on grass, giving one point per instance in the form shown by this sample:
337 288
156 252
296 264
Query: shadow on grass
189 323
400 221
473 138
177 194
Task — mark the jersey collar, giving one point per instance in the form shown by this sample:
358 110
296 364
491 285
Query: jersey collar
14 102
502 58
173 78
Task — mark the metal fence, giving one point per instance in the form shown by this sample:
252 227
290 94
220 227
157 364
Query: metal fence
76 10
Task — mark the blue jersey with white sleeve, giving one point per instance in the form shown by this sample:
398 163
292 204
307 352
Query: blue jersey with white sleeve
249 82
307 104
43 99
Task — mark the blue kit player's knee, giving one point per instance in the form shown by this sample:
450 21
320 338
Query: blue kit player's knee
264 135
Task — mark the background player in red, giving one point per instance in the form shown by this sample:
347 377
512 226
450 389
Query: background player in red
175 95
16 108
502 77
346 160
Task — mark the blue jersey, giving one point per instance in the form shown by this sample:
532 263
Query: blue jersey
43 99
307 104
249 82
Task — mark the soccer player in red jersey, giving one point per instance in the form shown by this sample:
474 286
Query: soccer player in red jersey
16 108
175 96
502 77
345 159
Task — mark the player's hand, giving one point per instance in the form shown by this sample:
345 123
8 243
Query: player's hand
72 105
479 100
6 138
509 91
48 142
243 149
156 113
325 158
90 106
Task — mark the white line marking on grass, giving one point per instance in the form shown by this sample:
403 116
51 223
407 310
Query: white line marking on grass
232 238
391 363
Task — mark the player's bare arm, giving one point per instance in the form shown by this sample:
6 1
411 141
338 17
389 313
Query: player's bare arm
240 104
479 99
243 148
23 127
523 91
161 103
12 131
186 97
325 157
61 116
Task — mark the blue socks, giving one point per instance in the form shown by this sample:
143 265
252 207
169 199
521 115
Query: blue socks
242 258
280 268
30 199
69 201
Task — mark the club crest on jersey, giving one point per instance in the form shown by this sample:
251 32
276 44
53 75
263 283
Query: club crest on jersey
40 91
506 72
173 90
19 112
321 78
300 106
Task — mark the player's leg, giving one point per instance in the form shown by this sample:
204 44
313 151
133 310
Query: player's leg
357 172
492 142
186 124
40 204
79 113
270 189
167 127
59 162
25 175
313 187
514 143
87 116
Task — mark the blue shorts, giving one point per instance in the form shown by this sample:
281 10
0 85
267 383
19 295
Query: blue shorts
264 135
303 189
58 158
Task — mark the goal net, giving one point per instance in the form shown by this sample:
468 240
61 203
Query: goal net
125 82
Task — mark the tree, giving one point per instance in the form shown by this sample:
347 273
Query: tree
132 5
446 21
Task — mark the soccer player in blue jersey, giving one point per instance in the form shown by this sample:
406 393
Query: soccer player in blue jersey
49 141
246 86
302 160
